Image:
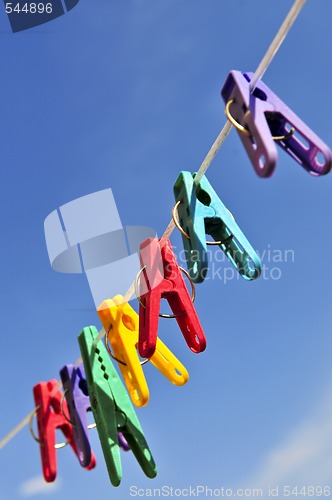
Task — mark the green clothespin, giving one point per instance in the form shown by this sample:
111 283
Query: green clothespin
201 212
112 409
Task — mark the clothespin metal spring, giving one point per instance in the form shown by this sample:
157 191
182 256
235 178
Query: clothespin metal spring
32 432
247 132
90 426
107 345
162 315
175 217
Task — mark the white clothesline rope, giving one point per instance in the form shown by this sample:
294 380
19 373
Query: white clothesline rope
262 67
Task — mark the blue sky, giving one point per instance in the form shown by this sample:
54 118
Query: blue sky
124 95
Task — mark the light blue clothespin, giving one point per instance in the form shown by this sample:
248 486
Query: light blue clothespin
201 212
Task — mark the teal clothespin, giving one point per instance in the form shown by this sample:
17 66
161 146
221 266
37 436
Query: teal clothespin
201 212
112 409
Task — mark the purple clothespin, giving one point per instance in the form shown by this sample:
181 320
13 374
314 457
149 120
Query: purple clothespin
262 119
76 393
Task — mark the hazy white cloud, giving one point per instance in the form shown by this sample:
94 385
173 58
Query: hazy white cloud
305 456
37 485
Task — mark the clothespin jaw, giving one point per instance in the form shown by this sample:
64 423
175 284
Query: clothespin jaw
202 213
112 409
121 322
171 287
49 418
76 393
263 120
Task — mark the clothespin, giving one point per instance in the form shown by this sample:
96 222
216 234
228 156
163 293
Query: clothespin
112 409
49 418
75 390
201 213
77 397
262 119
163 279
121 322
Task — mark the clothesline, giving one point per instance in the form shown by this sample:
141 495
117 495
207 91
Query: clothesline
261 69
258 75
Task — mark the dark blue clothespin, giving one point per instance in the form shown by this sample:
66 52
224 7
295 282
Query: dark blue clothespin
201 212
262 119
112 409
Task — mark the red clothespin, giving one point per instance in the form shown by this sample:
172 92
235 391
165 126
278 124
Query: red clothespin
49 407
163 279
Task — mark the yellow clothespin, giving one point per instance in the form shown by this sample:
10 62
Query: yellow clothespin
121 322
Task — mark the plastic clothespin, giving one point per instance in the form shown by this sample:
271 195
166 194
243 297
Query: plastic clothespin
121 322
262 119
75 390
112 409
77 397
163 279
49 418
201 213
